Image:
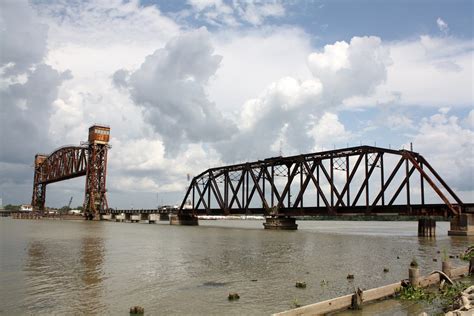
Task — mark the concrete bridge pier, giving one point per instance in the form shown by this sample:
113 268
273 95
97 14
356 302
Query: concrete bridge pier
89 216
135 218
144 217
105 217
183 219
426 227
462 225
153 218
280 223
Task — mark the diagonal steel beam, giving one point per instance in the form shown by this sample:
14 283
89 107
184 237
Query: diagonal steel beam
331 182
272 183
366 180
287 186
201 196
410 157
215 190
257 187
305 185
349 180
400 188
438 177
316 183
235 193
387 183
186 195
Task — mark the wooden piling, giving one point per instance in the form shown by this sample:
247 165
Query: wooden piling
446 267
387 291
414 276
357 298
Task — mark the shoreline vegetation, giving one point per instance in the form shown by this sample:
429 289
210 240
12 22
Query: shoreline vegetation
436 289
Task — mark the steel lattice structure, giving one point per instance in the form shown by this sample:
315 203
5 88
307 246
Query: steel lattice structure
267 186
69 162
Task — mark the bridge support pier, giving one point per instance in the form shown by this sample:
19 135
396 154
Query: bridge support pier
462 225
106 217
90 217
280 223
183 219
426 227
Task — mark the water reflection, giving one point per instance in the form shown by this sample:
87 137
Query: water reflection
66 276
66 267
92 258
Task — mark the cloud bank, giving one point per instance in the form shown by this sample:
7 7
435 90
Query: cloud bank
181 99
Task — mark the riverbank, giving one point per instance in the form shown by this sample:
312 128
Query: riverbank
410 289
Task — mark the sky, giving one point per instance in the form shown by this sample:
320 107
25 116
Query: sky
189 85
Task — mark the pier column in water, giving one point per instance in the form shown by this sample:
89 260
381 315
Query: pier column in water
280 223
426 227
184 219
462 225
164 217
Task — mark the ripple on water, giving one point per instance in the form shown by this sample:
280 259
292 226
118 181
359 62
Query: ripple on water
104 268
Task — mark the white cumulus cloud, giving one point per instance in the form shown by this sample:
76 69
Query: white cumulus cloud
170 88
442 26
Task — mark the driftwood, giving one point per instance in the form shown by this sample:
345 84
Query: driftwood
443 276
466 303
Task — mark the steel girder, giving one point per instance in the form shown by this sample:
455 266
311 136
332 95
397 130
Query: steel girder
64 163
238 188
71 162
95 201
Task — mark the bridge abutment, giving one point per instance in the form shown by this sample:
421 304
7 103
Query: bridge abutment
426 227
183 219
462 225
280 223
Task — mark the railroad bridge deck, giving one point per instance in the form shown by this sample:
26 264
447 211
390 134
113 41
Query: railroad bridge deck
324 183
413 210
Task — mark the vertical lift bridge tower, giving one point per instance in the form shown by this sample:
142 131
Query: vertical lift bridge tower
89 159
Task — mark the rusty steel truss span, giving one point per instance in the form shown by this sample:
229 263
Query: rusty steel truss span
69 162
364 179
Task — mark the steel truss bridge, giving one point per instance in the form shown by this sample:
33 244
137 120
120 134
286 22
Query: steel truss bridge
364 179
69 162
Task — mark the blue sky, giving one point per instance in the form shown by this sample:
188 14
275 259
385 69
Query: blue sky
190 85
330 21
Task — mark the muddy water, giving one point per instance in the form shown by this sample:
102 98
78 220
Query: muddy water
75 267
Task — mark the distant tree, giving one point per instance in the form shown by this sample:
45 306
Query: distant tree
80 208
11 207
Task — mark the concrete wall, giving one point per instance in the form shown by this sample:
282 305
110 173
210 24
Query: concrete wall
462 225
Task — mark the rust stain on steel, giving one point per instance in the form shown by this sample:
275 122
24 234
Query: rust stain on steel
271 183
69 162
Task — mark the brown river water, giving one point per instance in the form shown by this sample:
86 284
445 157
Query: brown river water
77 267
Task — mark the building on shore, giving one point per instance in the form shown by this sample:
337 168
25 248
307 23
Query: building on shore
26 208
